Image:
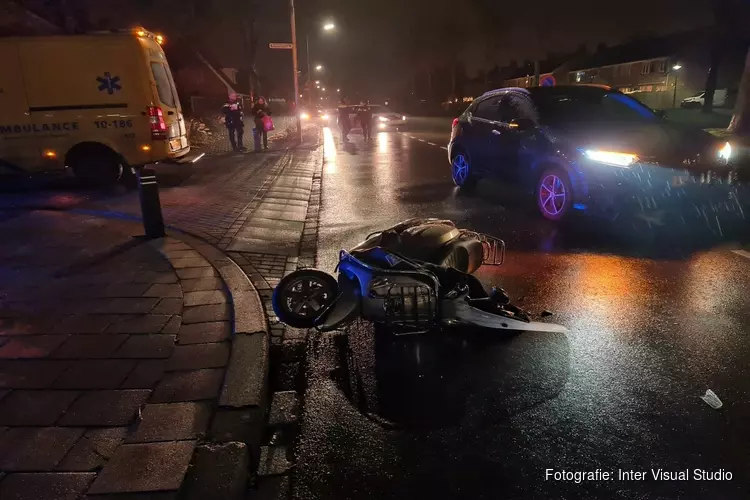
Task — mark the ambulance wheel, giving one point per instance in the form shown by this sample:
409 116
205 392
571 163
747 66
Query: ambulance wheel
95 164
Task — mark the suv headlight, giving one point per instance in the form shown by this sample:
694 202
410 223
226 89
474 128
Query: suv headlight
725 152
382 118
611 157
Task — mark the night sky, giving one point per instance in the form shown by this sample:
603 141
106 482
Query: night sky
379 41
378 44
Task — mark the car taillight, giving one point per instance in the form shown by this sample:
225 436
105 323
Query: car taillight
456 128
158 126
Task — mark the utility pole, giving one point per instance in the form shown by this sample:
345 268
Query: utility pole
296 72
308 87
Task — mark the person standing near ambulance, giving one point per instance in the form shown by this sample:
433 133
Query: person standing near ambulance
233 119
260 111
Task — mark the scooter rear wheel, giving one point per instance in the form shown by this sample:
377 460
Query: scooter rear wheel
300 298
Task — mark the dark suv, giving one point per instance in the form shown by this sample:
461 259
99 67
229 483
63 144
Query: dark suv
587 148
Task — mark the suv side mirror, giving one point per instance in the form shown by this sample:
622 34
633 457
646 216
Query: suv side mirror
522 124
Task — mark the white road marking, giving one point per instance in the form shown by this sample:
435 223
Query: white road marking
422 140
743 253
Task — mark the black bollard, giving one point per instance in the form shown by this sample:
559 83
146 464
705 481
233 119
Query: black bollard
148 191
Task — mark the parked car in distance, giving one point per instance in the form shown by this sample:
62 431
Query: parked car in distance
383 119
696 101
316 114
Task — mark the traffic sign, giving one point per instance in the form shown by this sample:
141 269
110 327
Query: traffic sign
280 45
548 81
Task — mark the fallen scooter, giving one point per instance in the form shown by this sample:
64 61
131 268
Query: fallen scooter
412 277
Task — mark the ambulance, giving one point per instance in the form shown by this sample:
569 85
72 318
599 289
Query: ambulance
97 104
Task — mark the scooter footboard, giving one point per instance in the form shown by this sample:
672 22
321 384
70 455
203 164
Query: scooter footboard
462 313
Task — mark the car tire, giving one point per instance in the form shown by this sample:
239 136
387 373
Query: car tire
282 299
554 194
461 171
98 166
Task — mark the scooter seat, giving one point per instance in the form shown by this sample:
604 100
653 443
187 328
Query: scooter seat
465 253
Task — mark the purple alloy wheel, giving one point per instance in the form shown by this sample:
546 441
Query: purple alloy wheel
552 195
460 169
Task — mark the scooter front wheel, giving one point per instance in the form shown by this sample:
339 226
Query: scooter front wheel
300 298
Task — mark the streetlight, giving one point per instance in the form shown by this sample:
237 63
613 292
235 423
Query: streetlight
328 26
323 89
675 68
338 90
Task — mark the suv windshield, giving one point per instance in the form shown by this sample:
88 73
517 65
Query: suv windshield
558 106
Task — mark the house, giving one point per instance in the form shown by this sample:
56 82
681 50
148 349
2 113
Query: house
204 87
660 72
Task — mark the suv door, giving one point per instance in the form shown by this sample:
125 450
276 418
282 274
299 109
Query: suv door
506 142
477 132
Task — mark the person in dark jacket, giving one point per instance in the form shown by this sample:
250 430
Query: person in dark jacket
344 123
364 114
260 110
233 119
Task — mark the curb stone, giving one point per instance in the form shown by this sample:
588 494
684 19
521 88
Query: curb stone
245 299
224 472
276 465
238 422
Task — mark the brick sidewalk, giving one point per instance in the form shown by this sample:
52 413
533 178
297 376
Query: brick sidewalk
112 357
228 198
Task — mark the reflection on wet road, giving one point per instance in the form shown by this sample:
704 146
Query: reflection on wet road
472 415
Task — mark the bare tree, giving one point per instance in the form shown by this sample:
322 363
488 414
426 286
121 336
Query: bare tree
740 124
730 25
191 19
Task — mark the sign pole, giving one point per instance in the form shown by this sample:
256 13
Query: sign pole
296 72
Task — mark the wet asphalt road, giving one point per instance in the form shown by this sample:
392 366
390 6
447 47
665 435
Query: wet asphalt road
653 324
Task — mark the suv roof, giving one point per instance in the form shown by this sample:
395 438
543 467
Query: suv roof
556 90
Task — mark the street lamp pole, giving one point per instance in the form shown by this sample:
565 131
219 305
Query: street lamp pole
296 72
675 69
309 70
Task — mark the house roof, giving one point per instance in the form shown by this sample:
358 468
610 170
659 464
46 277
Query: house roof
545 67
638 50
231 86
